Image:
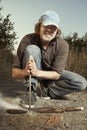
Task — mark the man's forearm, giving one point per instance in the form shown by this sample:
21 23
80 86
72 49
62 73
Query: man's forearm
48 74
19 73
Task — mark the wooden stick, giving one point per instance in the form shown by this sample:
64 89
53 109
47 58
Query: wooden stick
45 110
57 109
31 59
30 91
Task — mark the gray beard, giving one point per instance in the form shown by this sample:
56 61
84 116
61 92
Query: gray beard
47 38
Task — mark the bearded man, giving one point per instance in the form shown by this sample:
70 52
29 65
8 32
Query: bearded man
49 53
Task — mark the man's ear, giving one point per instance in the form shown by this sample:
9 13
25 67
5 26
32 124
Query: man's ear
37 27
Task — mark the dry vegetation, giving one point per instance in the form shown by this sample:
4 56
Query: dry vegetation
77 62
6 59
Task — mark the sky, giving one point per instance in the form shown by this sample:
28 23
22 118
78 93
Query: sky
25 14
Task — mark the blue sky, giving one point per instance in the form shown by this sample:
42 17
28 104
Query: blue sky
25 13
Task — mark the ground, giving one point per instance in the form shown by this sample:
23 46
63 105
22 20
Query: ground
10 96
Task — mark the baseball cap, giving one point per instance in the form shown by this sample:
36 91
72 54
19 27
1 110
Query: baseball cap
50 18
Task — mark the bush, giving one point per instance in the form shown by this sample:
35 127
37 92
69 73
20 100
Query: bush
6 59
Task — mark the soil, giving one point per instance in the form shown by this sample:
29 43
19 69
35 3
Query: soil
10 96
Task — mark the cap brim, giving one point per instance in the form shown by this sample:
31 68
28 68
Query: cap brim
50 22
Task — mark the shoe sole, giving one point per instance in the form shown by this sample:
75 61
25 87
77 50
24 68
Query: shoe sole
26 106
46 98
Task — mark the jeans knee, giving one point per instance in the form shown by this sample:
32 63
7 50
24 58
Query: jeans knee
83 84
33 48
35 51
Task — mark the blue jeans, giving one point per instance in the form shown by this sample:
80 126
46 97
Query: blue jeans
68 82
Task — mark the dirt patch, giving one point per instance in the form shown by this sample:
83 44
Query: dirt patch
10 96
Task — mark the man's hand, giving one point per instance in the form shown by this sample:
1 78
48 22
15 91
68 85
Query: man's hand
27 69
32 66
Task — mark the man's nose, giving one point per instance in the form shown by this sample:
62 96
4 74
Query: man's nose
49 30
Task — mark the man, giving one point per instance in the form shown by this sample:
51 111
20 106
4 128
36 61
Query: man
43 54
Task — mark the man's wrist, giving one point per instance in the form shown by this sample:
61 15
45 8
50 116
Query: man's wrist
25 72
37 74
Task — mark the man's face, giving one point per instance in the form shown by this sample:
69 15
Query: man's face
47 33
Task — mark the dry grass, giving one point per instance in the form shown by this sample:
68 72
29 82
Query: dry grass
5 64
77 62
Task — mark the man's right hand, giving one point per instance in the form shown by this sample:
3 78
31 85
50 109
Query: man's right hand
27 68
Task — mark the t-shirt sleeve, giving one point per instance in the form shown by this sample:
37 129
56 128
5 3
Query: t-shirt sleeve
60 59
18 57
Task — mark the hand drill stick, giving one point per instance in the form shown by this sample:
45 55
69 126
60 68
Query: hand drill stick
30 58
30 91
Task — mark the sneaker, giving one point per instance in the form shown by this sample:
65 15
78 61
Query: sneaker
25 100
44 93
47 97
